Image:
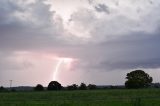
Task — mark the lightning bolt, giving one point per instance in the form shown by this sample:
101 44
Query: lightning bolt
57 69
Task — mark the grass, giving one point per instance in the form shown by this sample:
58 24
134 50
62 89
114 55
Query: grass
123 97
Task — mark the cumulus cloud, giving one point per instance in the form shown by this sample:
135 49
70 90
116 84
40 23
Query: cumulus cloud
128 17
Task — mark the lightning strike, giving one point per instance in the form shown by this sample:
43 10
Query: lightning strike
60 62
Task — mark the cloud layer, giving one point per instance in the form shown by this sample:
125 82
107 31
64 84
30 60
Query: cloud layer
102 36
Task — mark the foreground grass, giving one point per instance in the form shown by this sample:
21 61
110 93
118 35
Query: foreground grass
141 97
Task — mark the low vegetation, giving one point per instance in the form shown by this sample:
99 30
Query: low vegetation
115 97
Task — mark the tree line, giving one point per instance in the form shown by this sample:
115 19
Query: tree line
54 85
134 80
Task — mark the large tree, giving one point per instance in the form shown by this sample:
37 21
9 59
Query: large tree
54 85
138 79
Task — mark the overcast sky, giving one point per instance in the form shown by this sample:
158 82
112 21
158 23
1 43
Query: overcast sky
105 39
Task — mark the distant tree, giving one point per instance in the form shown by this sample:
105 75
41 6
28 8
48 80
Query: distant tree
2 88
92 86
156 85
69 87
39 87
13 90
72 87
54 85
83 86
75 87
138 79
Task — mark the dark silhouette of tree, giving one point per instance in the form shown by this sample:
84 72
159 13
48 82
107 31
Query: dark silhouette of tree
83 86
54 85
2 89
92 86
75 87
72 87
13 90
156 85
138 79
39 87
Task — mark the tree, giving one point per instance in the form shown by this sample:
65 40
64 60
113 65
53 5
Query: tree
72 87
39 87
83 86
156 85
54 85
92 86
2 89
138 79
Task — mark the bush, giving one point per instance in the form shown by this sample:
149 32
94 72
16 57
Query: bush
72 87
83 86
39 87
2 89
92 86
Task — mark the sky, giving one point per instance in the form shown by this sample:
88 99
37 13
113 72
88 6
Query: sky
74 41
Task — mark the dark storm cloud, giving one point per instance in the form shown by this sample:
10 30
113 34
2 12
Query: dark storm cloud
6 8
123 54
102 8
129 52
33 30
27 27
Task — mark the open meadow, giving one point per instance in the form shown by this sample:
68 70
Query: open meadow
114 97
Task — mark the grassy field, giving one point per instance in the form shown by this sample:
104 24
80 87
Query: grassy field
123 97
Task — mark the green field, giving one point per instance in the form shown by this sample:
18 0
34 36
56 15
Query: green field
123 97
